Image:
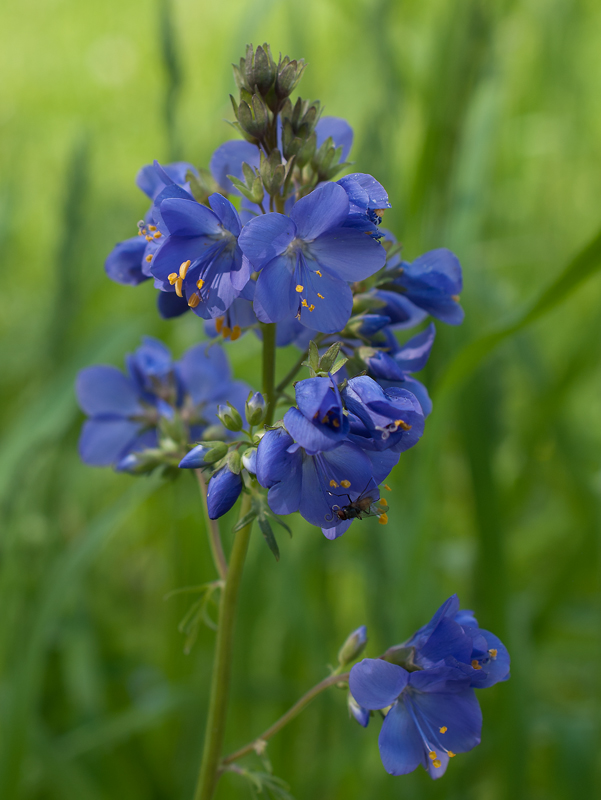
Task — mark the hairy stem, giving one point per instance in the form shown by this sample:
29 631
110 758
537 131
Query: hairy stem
222 665
212 531
269 369
256 744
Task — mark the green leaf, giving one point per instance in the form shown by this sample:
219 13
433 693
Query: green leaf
329 357
246 519
269 537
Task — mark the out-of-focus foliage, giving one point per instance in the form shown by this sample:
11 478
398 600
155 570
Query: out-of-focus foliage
483 120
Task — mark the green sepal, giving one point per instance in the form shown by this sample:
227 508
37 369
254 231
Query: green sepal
234 462
268 535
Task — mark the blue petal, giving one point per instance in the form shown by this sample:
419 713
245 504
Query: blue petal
335 533
340 132
447 639
401 748
458 712
439 268
330 312
364 191
222 492
150 181
418 390
171 305
226 212
275 295
204 371
375 683
313 438
195 458
496 669
382 462
273 459
414 354
285 497
324 208
189 218
106 390
310 395
175 250
228 160
349 254
383 367
103 442
358 712
124 262
265 237
402 312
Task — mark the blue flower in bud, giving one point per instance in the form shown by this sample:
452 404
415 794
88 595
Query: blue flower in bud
152 181
195 459
249 460
228 160
360 714
453 637
394 368
382 419
318 485
338 130
307 259
399 309
433 714
319 424
199 258
222 492
367 202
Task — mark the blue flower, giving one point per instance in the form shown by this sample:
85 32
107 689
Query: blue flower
307 259
222 491
392 366
199 257
367 202
124 410
320 423
382 419
433 714
338 130
228 160
318 484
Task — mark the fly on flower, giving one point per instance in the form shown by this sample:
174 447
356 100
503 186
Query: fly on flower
368 504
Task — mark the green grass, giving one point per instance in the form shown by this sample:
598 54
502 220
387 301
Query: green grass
483 121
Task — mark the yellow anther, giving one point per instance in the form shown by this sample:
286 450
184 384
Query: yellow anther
450 754
379 212
193 300
200 283
183 268
225 331
305 304
492 653
299 288
387 487
443 729
311 307
345 483
455 297
402 424
157 235
149 258
172 277
384 504
476 664
320 296
178 287
317 272
432 755
335 423
148 238
236 331
139 232
383 519
333 484
152 227
219 324
436 763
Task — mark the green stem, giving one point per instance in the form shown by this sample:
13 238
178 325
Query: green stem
222 665
269 370
212 531
292 374
257 744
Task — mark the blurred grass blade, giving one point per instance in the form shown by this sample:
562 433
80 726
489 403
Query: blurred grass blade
173 76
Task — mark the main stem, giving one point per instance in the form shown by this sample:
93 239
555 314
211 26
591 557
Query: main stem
212 531
222 665
269 370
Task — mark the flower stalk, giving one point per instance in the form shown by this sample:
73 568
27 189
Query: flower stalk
213 533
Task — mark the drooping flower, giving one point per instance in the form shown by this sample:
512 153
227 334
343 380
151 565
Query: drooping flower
319 424
433 714
199 258
307 259
367 202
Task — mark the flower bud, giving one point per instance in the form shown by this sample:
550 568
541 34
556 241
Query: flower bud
255 408
141 462
356 711
353 647
366 325
222 492
249 460
230 417
203 454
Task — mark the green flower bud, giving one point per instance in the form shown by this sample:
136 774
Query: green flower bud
353 647
255 408
230 417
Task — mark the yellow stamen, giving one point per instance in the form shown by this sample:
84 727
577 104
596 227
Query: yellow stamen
379 212
333 484
450 754
219 324
383 519
311 307
183 268
225 331
345 483
178 287
384 504
236 331
152 227
320 296
436 763
443 729
476 665
157 235
305 304
492 653
148 238
193 300
149 258
455 297
200 283
387 487
335 423
402 424
432 755
317 272
172 277
299 288
139 233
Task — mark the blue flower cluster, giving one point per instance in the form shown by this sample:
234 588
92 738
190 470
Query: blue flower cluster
425 688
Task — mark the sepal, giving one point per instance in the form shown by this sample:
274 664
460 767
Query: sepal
353 646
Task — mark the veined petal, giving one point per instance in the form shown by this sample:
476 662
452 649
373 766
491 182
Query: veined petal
401 748
458 712
103 442
414 354
313 438
105 390
189 218
228 216
275 295
285 497
124 263
265 237
335 533
360 185
222 492
350 254
273 459
330 298
171 305
324 208
175 250
375 683
204 371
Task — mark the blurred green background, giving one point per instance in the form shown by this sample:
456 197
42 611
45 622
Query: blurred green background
483 120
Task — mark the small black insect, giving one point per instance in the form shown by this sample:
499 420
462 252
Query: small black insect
364 505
